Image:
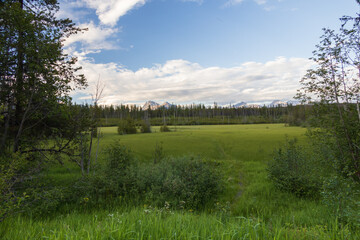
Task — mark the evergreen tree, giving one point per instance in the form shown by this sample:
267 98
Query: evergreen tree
36 76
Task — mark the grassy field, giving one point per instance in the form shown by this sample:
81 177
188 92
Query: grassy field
251 208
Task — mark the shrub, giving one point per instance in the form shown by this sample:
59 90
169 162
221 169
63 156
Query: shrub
11 169
164 128
43 199
342 195
185 181
115 179
145 127
127 127
292 169
158 152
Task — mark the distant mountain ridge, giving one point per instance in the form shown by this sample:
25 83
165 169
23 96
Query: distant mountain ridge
150 104
154 105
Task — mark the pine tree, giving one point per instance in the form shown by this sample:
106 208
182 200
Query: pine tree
36 76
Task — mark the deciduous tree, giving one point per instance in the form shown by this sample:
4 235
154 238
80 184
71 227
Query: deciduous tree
333 87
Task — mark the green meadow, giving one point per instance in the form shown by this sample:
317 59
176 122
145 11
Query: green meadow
249 208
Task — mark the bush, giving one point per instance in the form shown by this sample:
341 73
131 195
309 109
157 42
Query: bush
292 169
43 199
127 127
145 127
115 179
158 152
11 170
164 128
187 182
342 195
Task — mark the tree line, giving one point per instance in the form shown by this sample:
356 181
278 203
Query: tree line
199 114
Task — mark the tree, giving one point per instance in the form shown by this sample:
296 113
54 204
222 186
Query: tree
36 77
38 122
333 88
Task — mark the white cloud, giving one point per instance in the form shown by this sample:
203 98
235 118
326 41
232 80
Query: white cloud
261 2
94 38
110 11
181 81
233 2
72 10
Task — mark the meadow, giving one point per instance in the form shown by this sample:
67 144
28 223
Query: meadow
250 207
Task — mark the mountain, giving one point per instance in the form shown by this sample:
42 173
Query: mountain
293 102
277 103
166 105
150 104
246 105
253 106
239 105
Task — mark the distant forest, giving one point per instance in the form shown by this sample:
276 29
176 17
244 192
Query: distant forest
201 115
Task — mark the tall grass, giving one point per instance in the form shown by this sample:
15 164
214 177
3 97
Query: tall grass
145 223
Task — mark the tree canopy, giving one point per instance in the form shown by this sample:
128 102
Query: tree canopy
36 76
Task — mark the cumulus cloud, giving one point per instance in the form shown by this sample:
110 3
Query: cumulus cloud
96 37
181 81
110 11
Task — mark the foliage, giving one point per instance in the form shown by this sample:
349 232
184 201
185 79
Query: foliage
158 223
165 128
145 127
293 170
36 77
11 166
333 88
188 180
42 200
184 180
201 115
38 122
158 152
127 126
342 195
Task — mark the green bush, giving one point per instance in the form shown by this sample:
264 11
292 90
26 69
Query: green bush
42 199
158 152
292 169
11 170
342 195
113 180
145 127
187 182
164 128
127 127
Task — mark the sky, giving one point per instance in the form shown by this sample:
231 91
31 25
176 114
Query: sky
197 51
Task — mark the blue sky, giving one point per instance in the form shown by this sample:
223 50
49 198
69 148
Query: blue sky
186 51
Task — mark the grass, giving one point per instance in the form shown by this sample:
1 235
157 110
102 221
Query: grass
144 223
257 209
